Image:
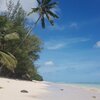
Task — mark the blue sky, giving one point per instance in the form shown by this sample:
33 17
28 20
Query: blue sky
72 47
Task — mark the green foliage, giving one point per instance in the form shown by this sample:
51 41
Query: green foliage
19 48
8 60
38 77
12 34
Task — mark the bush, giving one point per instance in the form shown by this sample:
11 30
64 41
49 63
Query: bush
37 77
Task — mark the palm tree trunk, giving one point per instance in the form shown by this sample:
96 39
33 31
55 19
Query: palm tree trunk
29 32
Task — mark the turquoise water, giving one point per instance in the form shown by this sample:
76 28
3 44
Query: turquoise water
81 84
55 87
91 85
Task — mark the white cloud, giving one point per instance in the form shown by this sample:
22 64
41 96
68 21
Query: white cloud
97 45
74 25
59 44
54 46
76 40
62 27
49 63
57 27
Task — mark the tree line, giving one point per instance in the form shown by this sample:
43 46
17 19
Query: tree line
19 48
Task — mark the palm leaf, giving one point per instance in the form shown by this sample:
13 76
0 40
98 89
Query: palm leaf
54 4
50 20
43 22
47 1
30 13
52 14
8 60
11 36
38 1
34 10
44 8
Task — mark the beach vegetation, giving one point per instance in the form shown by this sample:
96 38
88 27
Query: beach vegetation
19 47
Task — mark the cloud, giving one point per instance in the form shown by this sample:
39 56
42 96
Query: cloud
57 27
73 25
97 45
62 27
62 43
49 63
75 67
54 46
76 40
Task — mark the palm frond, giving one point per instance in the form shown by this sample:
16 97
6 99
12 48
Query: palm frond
11 36
50 20
52 14
45 8
54 4
46 1
34 10
38 1
8 60
30 13
43 22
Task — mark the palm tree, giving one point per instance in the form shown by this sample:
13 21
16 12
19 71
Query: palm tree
44 9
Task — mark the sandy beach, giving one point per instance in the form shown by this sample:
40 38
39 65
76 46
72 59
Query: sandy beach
25 90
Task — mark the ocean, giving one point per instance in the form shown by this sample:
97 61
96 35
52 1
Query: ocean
91 85
81 84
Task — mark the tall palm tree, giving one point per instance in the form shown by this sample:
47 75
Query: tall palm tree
44 9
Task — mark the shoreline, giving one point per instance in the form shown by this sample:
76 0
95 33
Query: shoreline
11 89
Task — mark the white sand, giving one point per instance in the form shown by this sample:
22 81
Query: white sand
44 91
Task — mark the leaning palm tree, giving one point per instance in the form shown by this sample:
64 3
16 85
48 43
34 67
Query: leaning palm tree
45 10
